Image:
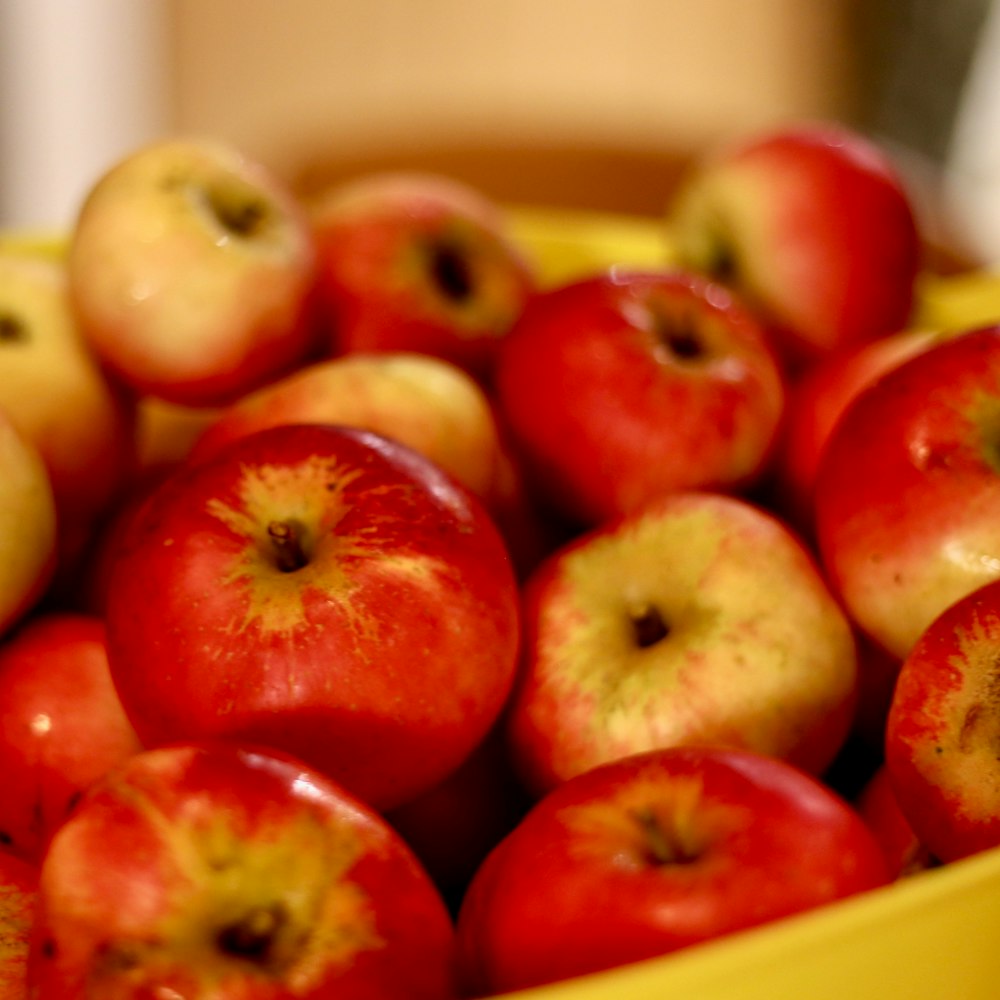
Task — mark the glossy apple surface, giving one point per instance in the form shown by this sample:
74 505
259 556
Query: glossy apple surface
908 490
626 385
698 619
224 871
940 740
191 271
814 226
418 262
655 853
61 722
323 590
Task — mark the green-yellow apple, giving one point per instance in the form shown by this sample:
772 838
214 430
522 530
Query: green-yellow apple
814 224
60 398
324 590
628 384
418 262
28 525
225 871
191 271
699 618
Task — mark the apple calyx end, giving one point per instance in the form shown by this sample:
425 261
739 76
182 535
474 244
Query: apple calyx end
664 844
648 625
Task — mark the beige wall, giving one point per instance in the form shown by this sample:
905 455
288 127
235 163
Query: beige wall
306 82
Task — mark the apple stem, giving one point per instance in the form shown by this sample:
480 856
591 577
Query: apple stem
286 544
665 846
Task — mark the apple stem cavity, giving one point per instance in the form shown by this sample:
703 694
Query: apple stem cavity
253 937
12 329
664 843
450 270
648 625
680 336
286 545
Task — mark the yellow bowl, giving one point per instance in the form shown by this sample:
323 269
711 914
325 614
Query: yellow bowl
930 935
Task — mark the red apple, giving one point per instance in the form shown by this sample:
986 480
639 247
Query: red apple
323 590
908 490
699 619
58 396
227 872
191 272
28 525
813 224
815 403
625 385
18 899
940 741
418 262
61 722
905 853
654 853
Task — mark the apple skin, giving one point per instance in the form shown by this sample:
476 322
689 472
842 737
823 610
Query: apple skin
905 853
58 396
383 655
28 525
815 403
61 721
428 404
418 262
908 490
812 223
654 853
699 619
224 871
191 272
628 384
940 739
18 900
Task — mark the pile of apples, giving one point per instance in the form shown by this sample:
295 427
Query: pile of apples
379 619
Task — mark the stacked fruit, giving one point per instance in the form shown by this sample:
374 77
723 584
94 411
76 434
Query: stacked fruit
379 618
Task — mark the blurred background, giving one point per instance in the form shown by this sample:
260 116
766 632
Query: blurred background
567 102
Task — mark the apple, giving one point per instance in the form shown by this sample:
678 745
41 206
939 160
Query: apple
61 723
908 490
425 402
905 853
815 403
191 271
654 853
625 385
813 224
18 899
323 590
59 397
940 739
698 619
28 525
232 872
419 262
166 433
